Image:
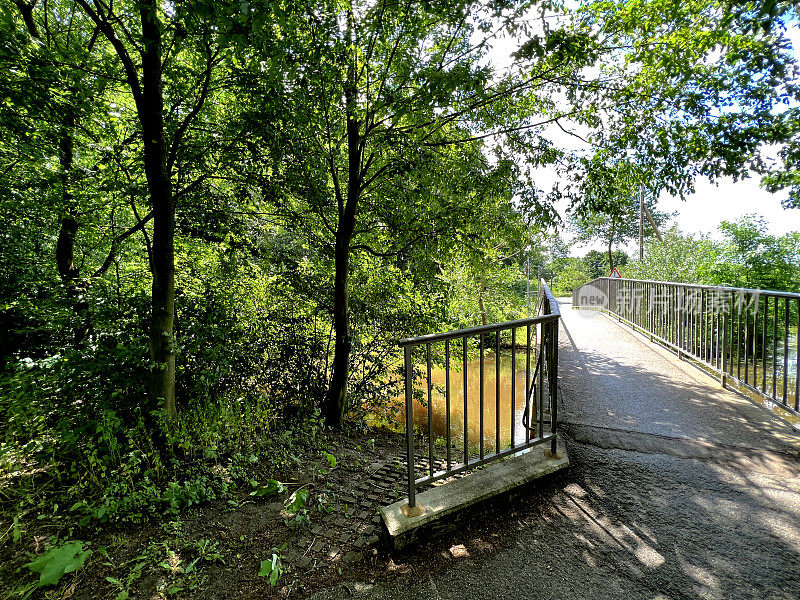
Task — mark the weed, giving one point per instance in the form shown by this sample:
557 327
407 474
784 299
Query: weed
208 551
271 488
330 458
297 501
56 562
124 586
273 567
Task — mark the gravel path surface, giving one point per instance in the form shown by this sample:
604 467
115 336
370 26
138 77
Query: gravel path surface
678 489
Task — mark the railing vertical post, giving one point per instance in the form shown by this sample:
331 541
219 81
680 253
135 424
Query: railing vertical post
553 372
680 306
713 330
747 341
785 350
497 392
775 350
738 340
466 402
541 361
764 346
480 416
430 409
703 322
447 399
723 371
412 500
513 384
528 383
797 363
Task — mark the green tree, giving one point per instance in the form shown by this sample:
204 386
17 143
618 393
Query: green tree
706 85
610 211
159 62
750 257
679 257
569 273
597 263
786 175
389 106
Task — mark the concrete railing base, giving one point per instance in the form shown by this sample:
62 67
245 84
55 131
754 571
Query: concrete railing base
403 525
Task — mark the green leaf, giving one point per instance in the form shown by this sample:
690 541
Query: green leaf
272 487
271 568
330 458
56 562
298 501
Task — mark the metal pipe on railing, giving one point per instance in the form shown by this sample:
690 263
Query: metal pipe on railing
447 398
797 362
785 350
553 370
528 382
466 405
497 391
409 375
482 380
513 384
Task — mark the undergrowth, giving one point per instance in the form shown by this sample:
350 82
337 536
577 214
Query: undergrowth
78 454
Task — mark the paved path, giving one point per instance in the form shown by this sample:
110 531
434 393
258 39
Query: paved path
679 489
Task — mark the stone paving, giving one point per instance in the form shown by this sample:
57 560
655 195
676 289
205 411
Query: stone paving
350 529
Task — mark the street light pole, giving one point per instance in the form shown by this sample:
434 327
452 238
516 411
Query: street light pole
641 223
528 284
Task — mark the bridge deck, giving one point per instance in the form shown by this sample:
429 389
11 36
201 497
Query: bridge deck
613 377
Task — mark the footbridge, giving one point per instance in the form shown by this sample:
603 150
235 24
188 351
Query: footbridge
678 407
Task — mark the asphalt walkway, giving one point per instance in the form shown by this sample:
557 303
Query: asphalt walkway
678 489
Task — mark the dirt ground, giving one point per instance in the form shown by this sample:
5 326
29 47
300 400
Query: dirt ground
215 550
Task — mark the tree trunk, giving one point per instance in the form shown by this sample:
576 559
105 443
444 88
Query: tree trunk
336 400
610 259
480 300
65 247
158 183
65 250
68 230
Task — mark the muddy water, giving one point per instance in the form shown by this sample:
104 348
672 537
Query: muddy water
511 405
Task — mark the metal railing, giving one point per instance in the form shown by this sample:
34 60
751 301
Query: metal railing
540 393
743 335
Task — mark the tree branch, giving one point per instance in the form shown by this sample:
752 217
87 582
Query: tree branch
117 241
122 52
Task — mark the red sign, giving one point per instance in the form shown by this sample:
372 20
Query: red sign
615 273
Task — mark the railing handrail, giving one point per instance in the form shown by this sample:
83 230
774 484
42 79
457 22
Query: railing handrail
555 313
476 330
554 308
722 288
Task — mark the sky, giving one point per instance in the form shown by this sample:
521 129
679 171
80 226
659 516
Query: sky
702 212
